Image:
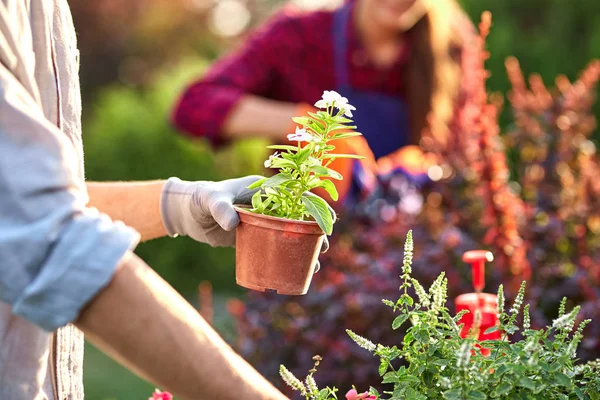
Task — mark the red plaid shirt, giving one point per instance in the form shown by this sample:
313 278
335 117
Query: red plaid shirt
290 58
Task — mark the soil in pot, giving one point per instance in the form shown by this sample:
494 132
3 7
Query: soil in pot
275 253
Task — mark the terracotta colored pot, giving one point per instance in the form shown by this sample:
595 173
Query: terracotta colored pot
276 253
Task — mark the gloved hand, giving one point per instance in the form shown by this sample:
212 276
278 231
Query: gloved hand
204 210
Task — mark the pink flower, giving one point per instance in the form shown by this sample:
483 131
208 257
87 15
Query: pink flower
158 395
354 395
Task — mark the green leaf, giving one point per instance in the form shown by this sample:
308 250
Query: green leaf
526 382
336 156
282 147
452 394
330 188
373 391
539 388
421 335
277 180
345 135
441 362
503 388
319 116
342 120
318 209
324 171
303 154
334 174
428 377
400 319
408 338
388 303
257 200
502 369
319 169
409 378
257 184
476 395
336 127
383 367
561 379
406 299
414 395
301 120
491 330
282 162
390 377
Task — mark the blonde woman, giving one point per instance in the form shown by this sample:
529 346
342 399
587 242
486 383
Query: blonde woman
397 61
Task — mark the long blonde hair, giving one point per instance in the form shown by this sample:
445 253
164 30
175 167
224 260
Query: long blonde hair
433 70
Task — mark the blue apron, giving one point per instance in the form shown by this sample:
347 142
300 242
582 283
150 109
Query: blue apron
382 119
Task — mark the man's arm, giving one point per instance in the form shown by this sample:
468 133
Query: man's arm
61 261
164 339
137 204
202 210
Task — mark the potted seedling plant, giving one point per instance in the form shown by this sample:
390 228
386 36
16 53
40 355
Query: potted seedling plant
279 237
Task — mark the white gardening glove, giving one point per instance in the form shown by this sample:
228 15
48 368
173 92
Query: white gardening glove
204 210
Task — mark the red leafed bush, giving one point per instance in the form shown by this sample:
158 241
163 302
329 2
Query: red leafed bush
531 196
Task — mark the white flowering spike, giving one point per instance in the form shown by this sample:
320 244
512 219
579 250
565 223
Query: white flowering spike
291 380
311 384
567 321
438 292
500 300
408 254
526 318
424 298
561 307
464 354
518 300
361 341
269 161
301 135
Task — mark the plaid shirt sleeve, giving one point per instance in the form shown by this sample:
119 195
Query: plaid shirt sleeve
252 69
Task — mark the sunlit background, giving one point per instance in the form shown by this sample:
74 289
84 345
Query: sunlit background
136 55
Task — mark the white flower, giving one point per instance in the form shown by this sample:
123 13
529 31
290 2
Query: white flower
346 109
301 135
269 161
332 98
361 341
329 97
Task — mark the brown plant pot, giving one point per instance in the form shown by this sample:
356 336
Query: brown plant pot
276 253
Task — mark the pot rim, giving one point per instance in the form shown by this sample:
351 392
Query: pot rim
244 209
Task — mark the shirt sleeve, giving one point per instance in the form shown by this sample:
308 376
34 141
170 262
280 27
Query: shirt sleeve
55 254
251 69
